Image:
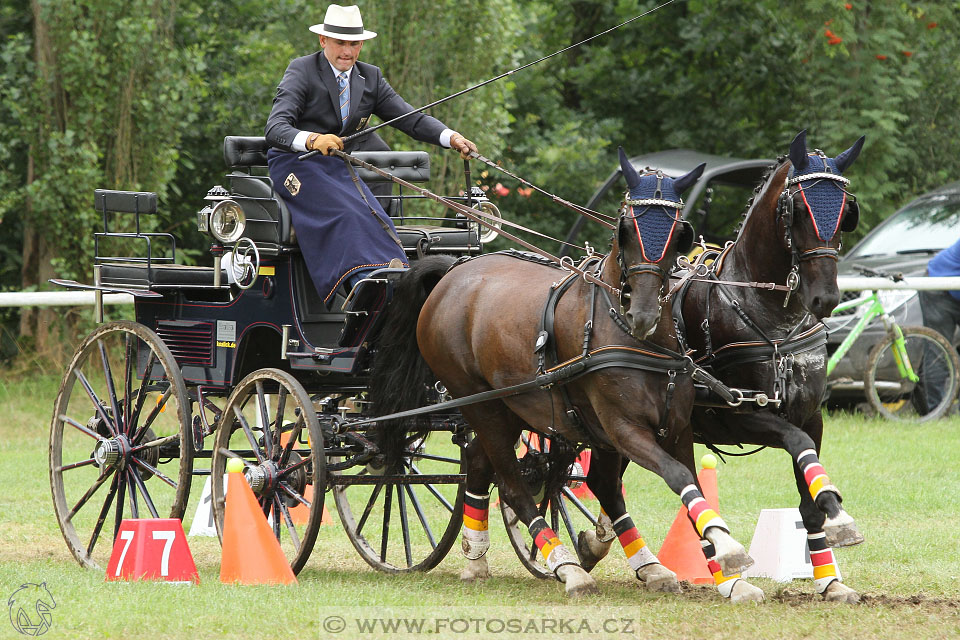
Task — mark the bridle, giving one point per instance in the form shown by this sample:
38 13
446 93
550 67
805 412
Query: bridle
629 211
785 215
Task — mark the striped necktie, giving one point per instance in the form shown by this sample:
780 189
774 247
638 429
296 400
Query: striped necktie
344 98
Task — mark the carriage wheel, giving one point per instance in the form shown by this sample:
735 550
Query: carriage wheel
935 362
269 422
407 517
120 444
565 513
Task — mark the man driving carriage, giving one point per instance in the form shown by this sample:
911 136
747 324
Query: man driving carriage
344 231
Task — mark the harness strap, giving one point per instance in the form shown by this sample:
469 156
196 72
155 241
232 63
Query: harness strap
596 360
738 353
546 349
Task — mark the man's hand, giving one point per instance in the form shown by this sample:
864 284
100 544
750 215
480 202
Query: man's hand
323 142
461 144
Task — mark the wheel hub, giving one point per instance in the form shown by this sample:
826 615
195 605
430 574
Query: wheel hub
262 478
112 452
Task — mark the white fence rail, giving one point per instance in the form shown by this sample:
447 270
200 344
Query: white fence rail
862 283
59 298
80 298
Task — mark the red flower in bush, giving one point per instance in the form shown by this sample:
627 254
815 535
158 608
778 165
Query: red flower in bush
848 6
501 190
834 40
908 53
931 25
880 56
829 34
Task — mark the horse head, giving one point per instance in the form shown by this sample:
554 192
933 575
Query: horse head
813 209
650 232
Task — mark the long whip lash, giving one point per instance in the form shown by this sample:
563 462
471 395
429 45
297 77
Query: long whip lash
479 217
370 130
602 218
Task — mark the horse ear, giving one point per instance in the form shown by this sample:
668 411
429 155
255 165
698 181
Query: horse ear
798 151
683 183
846 158
633 178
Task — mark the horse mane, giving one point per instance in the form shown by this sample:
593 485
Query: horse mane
766 192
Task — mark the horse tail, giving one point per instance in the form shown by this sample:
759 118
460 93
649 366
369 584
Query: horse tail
399 377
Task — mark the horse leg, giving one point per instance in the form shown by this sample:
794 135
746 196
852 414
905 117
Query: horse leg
614 521
812 480
826 576
475 540
642 448
593 546
499 430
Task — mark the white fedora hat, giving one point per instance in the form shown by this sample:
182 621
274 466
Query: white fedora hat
343 23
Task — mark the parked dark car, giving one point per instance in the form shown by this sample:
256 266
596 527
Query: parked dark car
901 244
714 205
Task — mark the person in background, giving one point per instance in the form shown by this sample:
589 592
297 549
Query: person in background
941 308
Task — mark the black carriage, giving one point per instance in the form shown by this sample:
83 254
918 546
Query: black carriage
243 359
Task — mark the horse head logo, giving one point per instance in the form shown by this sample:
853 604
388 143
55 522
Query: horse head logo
30 607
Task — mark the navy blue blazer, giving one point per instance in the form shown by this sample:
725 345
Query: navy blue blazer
308 100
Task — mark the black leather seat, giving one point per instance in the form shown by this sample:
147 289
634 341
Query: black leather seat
136 275
256 195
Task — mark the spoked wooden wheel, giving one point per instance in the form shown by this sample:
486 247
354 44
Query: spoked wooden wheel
563 510
120 444
405 517
269 422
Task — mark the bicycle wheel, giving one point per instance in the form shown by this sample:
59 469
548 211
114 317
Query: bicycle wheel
935 362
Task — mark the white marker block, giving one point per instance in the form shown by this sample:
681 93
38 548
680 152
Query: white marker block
779 547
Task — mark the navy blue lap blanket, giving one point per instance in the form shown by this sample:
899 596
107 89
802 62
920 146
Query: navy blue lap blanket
337 232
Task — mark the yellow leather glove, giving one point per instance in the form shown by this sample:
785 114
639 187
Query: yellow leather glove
323 142
461 144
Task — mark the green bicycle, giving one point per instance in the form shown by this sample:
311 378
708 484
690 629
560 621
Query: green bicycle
912 374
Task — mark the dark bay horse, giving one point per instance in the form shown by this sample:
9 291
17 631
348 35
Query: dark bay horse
756 339
481 328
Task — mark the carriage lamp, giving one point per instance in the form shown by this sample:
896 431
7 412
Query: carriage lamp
227 221
203 219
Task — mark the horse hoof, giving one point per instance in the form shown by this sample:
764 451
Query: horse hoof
656 577
591 549
734 562
836 591
730 554
577 581
842 531
743 591
475 570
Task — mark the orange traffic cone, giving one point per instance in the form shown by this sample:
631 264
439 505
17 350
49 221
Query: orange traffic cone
300 514
251 553
681 551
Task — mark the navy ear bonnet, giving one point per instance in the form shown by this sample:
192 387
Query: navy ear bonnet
821 184
653 205
823 197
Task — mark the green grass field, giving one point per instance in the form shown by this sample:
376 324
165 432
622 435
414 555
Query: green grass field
899 481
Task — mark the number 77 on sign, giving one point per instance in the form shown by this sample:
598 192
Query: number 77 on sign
152 549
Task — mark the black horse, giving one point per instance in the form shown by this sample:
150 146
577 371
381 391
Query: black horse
755 338
611 374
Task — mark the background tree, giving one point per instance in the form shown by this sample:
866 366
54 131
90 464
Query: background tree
96 95
138 94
